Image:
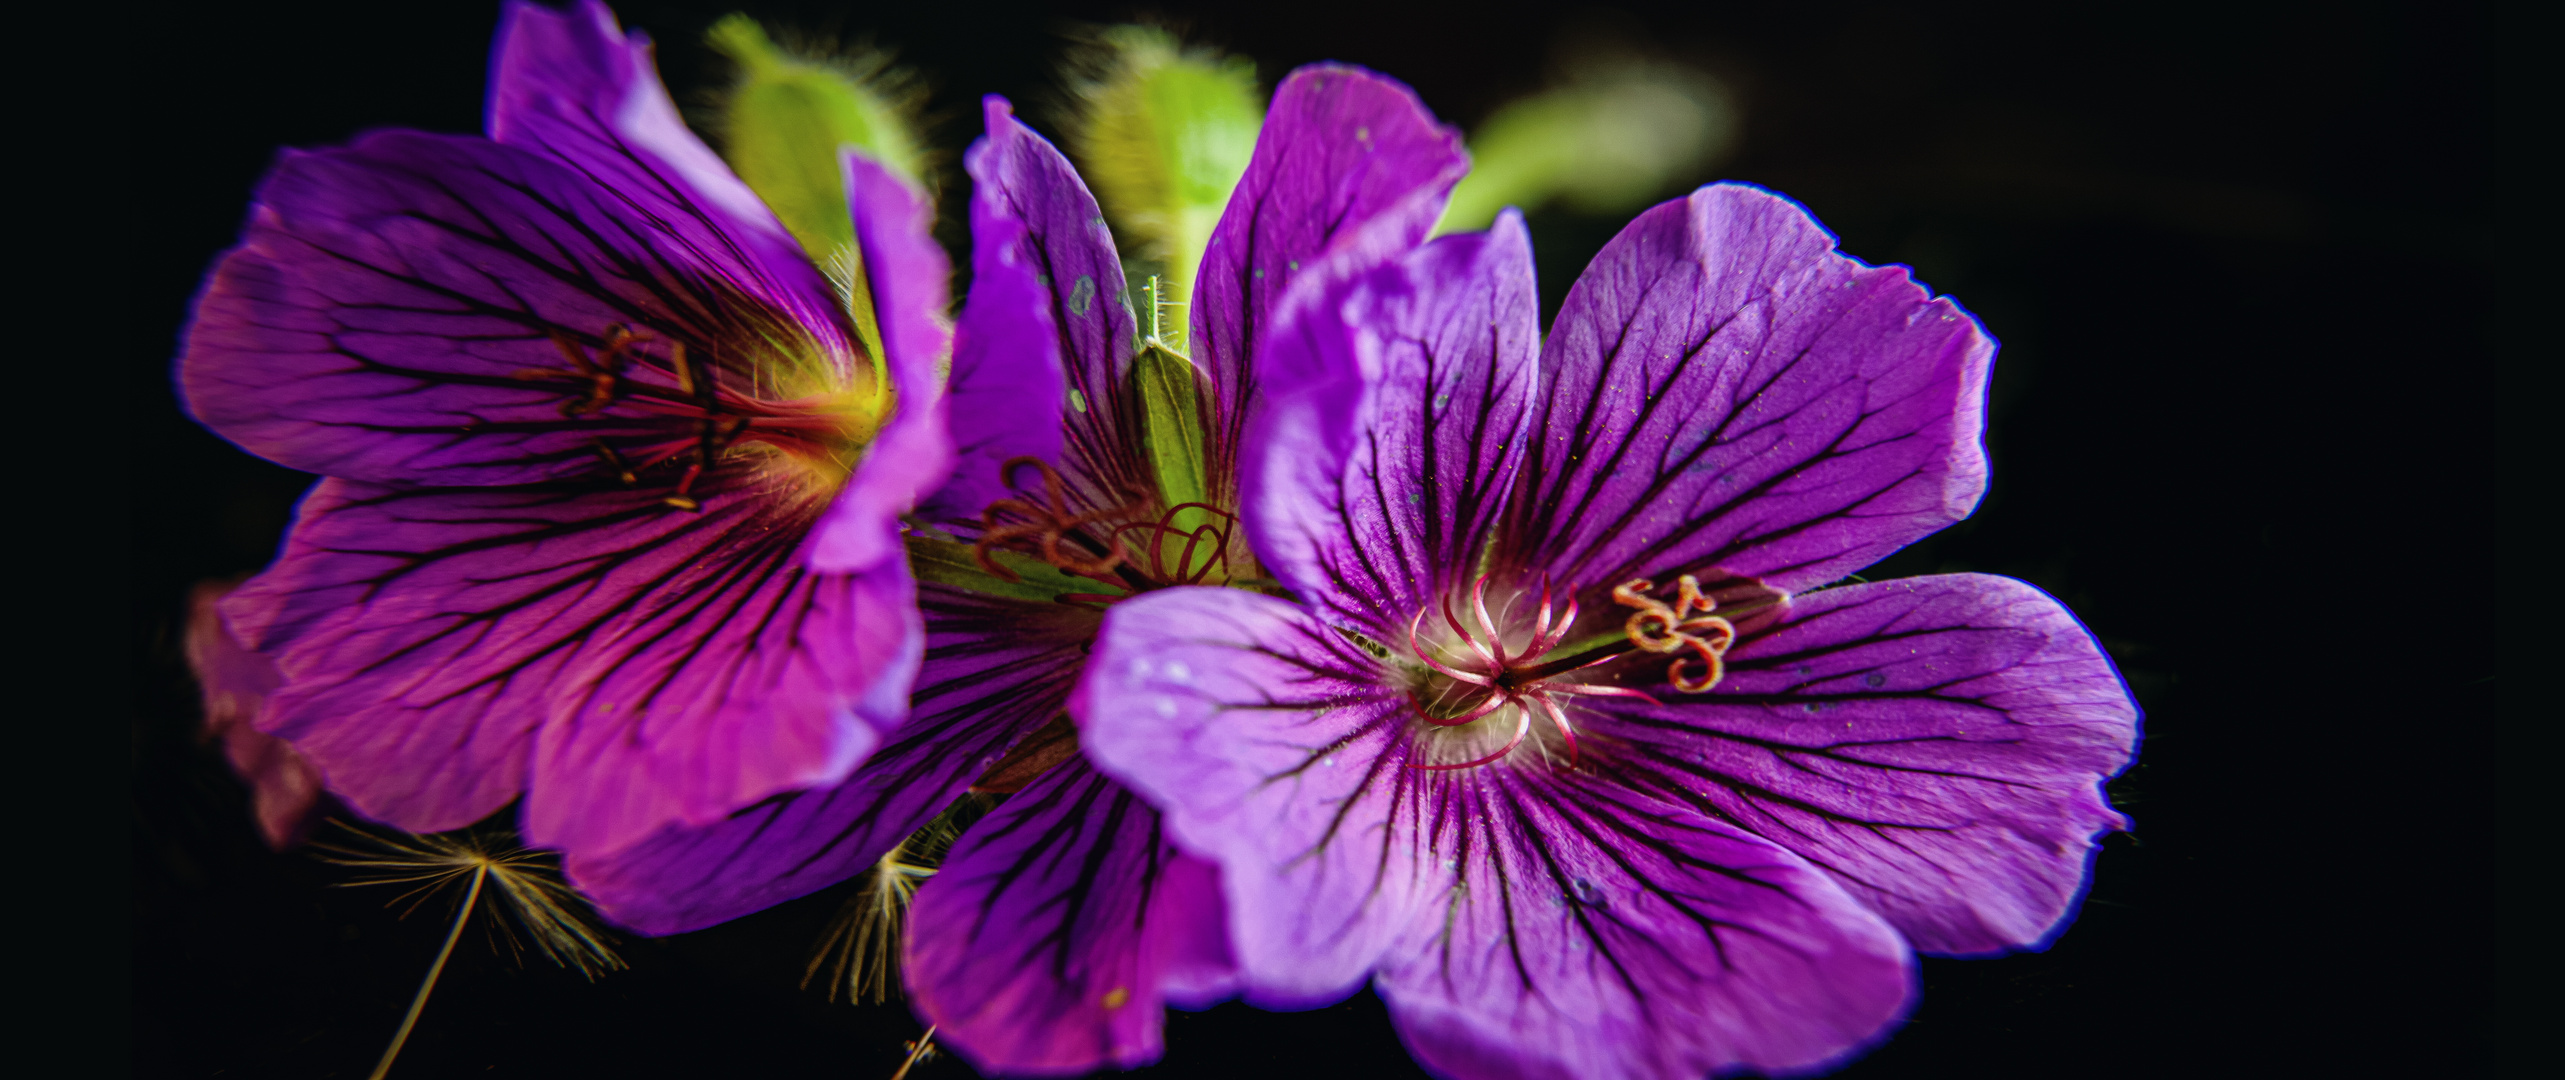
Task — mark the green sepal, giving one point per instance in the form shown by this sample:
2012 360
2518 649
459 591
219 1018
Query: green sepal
951 562
1167 132
784 121
1172 424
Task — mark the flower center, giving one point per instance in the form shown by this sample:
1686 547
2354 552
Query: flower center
814 438
1514 663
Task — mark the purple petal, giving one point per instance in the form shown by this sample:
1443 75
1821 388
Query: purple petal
395 313
1008 388
1522 920
995 670
284 789
1591 933
626 665
910 457
1723 389
1936 744
1396 402
572 86
1253 787
1048 941
1342 149
1022 178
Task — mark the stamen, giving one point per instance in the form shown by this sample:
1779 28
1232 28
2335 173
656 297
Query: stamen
1417 623
810 428
1489 674
1592 690
1522 728
1541 622
1558 716
1046 526
1660 628
1156 535
614 461
1494 702
1454 622
681 500
1495 635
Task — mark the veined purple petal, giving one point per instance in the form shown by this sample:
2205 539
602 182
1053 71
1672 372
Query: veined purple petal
995 670
626 665
284 789
1259 733
1009 390
398 311
1341 149
1049 941
1935 744
571 85
1723 389
1395 406
910 457
1588 932
1019 177
1521 921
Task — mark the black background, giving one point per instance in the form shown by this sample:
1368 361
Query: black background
2236 254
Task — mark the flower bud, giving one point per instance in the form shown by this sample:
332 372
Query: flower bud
784 122
1166 134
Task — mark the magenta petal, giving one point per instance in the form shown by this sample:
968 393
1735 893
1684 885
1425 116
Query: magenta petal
571 85
1342 149
1936 744
994 671
1396 402
389 300
1008 387
1263 789
625 664
1049 939
1723 389
913 453
284 789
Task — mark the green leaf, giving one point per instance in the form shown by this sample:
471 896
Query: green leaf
784 121
951 562
1166 134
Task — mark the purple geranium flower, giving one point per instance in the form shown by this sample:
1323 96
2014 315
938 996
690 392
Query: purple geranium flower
1543 745
612 470
1060 922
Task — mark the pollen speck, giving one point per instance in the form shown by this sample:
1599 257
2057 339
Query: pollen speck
1116 998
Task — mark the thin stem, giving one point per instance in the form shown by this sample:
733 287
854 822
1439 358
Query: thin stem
925 1043
462 914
